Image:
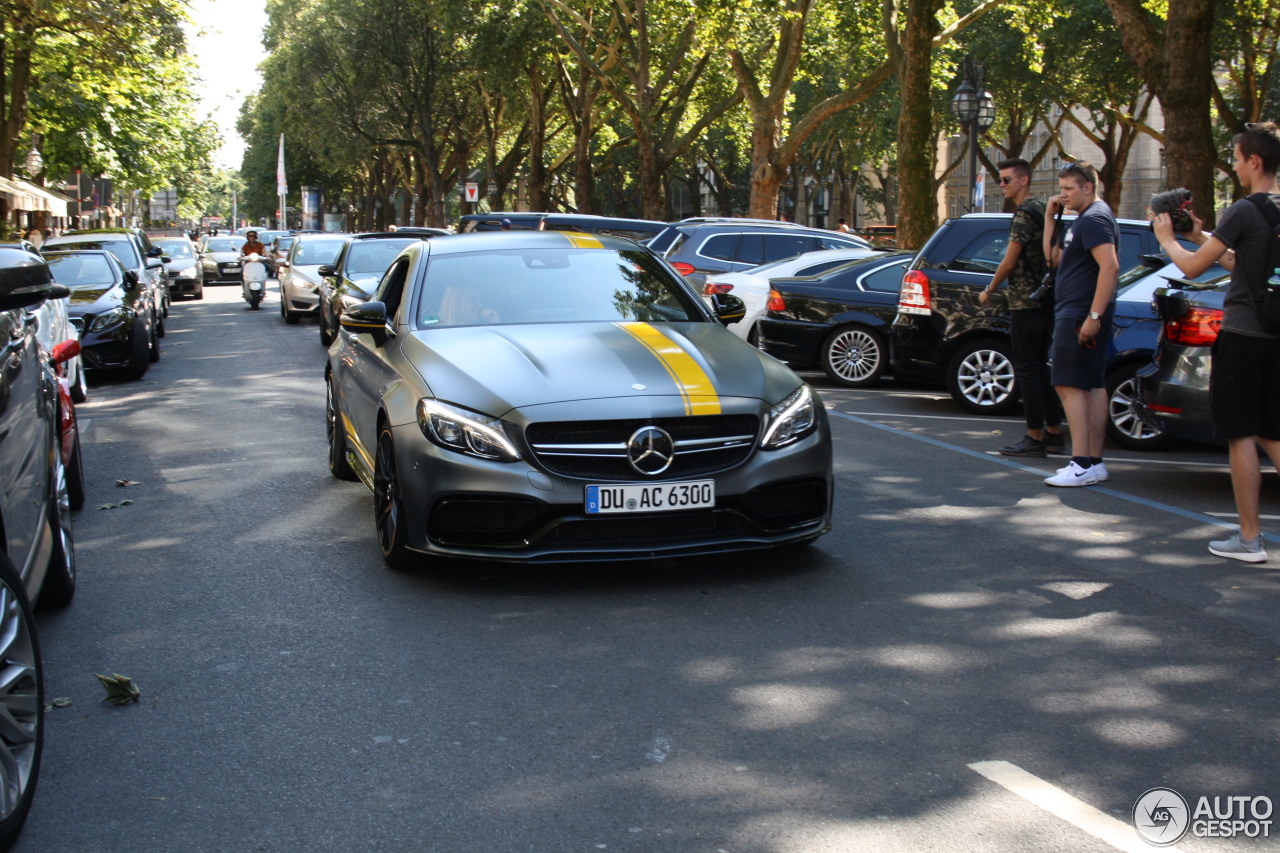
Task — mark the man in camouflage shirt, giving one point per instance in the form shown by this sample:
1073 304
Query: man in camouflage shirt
1031 321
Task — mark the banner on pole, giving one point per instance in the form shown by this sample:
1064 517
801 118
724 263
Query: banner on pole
282 188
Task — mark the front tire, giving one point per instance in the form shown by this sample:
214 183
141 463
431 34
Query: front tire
854 356
79 385
22 694
60 578
980 378
1125 425
388 505
75 473
337 435
139 350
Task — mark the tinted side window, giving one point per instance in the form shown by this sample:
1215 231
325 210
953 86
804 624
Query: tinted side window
838 243
751 250
983 254
722 246
884 280
779 246
391 288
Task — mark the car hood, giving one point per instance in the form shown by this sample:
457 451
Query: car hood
94 300
223 257
495 369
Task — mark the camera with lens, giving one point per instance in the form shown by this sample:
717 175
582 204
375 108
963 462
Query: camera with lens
1044 293
1176 203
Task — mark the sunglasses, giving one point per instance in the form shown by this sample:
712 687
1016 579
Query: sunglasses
1005 179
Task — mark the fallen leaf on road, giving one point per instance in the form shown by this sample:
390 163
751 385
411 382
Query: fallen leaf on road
115 506
126 482
120 688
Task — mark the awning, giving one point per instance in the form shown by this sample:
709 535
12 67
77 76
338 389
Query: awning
22 195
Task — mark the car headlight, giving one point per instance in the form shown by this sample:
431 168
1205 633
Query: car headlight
466 432
187 272
110 318
790 420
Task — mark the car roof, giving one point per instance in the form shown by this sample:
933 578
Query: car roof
1141 223
484 241
406 233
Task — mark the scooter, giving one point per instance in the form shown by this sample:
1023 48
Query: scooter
254 275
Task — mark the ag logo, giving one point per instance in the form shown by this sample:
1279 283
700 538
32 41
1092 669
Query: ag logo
1161 817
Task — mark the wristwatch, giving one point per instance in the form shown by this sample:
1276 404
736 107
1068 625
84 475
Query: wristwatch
1094 315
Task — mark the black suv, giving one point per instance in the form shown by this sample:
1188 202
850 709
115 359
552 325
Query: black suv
942 331
697 249
38 556
354 275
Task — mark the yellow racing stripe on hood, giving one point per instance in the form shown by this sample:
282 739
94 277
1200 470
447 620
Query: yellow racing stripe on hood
700 397
583 241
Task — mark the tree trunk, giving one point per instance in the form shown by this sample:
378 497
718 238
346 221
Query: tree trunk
537 186
917 210
653 201
1186 99
766 178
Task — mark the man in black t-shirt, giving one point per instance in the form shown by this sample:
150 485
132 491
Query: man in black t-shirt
1244 381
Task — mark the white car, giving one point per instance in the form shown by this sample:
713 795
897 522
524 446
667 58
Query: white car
752 286
299 274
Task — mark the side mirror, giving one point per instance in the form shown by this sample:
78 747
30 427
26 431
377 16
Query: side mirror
130 279
154 252
727 308
65 351
368 318
27 285
326 269
154 263
164 259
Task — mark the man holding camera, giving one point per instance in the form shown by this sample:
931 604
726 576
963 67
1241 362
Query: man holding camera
1244 382
1031 319
1084 306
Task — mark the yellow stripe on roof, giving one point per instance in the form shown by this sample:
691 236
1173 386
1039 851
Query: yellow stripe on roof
700 397
583 241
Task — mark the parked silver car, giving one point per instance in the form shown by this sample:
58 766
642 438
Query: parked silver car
299 275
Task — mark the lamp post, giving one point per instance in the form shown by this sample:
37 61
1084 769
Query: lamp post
975 109
34 162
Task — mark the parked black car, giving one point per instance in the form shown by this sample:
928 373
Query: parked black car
38 557
1174 387
839 320
943 333
352 278
186 275
699 249
133 248
110 309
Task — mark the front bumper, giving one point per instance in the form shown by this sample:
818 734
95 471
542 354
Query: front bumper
300 298
184 285
460 506
108 348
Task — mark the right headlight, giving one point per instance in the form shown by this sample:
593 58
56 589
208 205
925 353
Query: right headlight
110 318
464 431
790 420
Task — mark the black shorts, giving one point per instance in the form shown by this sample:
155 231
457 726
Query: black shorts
1244 386
1073 365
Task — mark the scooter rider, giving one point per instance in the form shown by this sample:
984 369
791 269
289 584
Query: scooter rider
252 245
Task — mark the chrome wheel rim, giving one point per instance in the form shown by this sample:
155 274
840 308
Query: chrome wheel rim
986 377
854 355
386 496
19 702
1123 410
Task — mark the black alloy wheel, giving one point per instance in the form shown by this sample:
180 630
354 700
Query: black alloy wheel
389 516
22 697
337 435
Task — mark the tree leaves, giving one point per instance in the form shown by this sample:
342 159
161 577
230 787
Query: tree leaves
120 689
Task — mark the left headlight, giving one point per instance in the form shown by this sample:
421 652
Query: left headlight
464 431
187 272
790 420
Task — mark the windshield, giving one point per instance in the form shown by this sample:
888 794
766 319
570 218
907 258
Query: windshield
175 248
224 244
77 271
316 252
373 256
551 286
122 249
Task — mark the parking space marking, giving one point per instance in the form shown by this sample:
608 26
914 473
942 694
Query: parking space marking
1007 461
1062 805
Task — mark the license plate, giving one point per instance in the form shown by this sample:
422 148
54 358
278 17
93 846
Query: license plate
650 497
232 267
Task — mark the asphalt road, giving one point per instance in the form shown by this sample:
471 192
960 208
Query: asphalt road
970 661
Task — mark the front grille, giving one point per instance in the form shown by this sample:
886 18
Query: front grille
597 450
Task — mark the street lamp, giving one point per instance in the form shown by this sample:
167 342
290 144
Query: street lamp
34 162
975 109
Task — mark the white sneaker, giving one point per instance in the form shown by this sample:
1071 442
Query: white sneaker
1072 475
1100 471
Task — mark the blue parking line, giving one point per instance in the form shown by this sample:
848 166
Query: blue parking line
1018 466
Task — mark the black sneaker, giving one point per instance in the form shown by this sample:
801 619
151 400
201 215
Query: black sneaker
1027 447
1053 443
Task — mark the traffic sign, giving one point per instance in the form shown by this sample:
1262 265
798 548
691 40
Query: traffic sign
473 192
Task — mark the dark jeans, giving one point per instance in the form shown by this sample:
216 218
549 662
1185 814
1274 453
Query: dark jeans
1030 333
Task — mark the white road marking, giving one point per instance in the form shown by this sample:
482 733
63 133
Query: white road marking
1234 515
1060 804
988 419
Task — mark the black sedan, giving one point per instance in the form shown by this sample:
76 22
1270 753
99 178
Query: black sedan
111 311
837 320
1174 388
351 278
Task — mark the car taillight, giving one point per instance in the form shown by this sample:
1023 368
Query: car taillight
1196 328
712 287
776 302
913 296
683 268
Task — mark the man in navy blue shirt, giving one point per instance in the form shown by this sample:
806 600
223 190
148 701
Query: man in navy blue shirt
1084 307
